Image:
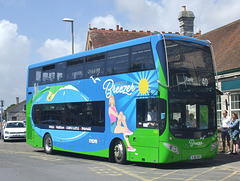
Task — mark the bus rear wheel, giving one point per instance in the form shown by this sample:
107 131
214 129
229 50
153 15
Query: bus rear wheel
48 145
119 152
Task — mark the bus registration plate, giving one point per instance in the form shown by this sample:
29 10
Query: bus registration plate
195 157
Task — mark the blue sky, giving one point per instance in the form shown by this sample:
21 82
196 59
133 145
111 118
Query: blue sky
32 30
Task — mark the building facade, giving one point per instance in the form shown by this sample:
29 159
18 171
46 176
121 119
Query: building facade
17 112
226 45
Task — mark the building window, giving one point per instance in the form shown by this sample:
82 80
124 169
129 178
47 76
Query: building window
235 103
219 111
14 118
90 45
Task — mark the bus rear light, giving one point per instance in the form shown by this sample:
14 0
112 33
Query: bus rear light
172 148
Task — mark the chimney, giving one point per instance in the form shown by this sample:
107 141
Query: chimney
17 100
186 19
183 8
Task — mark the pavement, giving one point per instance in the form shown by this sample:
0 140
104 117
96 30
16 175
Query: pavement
228 161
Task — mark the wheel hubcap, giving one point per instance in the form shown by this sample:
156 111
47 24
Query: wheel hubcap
118 150
48 144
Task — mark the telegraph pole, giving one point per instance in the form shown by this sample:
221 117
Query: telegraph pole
1 104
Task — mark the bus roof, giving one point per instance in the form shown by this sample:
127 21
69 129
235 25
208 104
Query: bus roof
117 46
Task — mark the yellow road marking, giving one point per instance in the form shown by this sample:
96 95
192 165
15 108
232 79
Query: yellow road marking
234 173
165 175
227 169
201 174
105 171
124 171
48 158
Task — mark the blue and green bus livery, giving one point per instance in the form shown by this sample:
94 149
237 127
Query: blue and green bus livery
150 99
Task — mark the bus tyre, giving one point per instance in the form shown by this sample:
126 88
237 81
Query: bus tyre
48 146
119 152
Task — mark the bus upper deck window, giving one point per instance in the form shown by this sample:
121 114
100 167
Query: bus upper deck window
48 74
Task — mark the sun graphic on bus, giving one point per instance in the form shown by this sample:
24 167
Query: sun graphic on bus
143 86
145 82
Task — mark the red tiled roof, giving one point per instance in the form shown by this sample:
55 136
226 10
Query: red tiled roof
102 37
226 46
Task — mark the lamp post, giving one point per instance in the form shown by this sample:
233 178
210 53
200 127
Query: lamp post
70 20
1 105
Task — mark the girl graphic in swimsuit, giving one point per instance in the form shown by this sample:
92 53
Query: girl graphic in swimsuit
116 124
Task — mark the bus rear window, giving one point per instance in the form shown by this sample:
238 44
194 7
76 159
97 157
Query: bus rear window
34 76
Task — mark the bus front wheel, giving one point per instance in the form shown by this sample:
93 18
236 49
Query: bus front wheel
48 145
119 152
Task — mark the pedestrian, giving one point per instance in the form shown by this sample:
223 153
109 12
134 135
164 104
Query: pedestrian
234 133
225 131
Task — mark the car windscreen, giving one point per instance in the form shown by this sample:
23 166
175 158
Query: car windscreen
15 125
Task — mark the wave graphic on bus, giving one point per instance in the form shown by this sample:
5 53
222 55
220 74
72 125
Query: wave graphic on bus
54 95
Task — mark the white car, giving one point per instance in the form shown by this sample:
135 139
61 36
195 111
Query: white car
15 130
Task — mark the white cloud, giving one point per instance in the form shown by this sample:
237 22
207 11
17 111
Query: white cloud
213 14
149 15
156 15
57 48
14 59
104 22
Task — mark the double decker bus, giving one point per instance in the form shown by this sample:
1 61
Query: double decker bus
150 99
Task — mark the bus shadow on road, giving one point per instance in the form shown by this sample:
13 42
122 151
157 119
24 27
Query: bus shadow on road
73 155
221 159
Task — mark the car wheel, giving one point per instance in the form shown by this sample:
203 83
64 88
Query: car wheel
48 145
119 152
